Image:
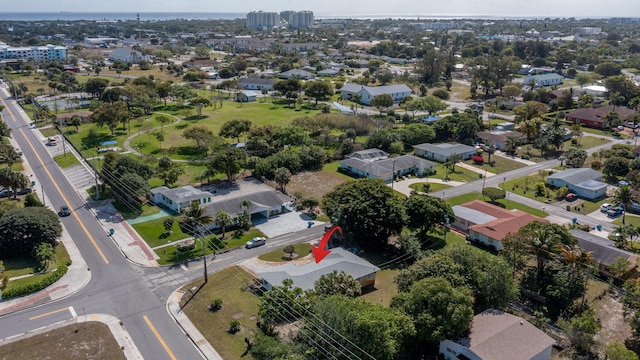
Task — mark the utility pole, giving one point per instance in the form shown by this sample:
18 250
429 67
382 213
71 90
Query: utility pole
204 256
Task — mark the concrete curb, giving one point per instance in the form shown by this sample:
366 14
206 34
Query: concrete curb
173 308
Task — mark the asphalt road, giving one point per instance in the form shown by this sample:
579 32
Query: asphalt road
117 287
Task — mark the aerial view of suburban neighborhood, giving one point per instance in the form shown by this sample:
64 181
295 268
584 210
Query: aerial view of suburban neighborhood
289 185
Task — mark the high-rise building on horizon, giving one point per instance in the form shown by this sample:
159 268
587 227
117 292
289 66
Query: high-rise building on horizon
301 20
261 20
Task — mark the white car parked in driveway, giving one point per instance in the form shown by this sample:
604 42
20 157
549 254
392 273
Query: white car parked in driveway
605 207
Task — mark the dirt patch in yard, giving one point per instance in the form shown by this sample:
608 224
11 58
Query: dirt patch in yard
91 340
315 183
615 327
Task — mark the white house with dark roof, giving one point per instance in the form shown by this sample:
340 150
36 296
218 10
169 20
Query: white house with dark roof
584 182
442 152
367 93
177 199
304 276
375 164
496 335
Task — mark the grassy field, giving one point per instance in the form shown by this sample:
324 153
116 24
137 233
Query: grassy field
459 174
154 234
87 340
629 220
26 265
300 250
498 165
526 186
586 142
238 304
504 203
384 289
432 186
66 160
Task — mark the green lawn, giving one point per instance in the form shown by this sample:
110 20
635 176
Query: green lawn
153 231
498 165
26 265
504 203
629 220
460 174
300 250
526 186
177 147
384 289
66 160
587 142
237 304
432 186
49 132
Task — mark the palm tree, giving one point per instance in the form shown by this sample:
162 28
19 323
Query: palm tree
511 144
530 128
223 219
543 245
613 119
624 197
619 236
453 160
489 148
9 155
196 216
615 99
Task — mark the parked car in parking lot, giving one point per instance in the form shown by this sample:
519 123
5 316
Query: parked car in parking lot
255 242
5 193
605 207
615 211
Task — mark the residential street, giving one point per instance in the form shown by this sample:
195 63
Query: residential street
135 295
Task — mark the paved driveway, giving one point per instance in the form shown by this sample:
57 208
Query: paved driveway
284 223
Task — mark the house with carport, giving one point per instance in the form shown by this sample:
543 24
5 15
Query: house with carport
306 274
604 253
376 164
584 182
179 198
262 206
497 335
442 152
488 224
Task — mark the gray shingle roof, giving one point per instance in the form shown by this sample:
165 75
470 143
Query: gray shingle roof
181 194
260 201
576 176
445 149
602 250
368 154
591 185
376 90
304 276
387 166
256 81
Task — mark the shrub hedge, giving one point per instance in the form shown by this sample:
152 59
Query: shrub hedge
31 288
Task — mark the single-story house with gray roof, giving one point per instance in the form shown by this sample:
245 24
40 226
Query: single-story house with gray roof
263 204
604 252
256 83
304 276
246 96
177 199
367 93
584 182
496 335
442 152
544 79
371 164
296 74
328 72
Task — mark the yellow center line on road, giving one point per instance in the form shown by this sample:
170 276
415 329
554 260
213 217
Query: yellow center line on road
64 198
49 313
155 332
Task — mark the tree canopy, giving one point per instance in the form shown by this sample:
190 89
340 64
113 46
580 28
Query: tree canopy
22 229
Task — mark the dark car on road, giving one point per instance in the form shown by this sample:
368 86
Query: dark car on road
64 211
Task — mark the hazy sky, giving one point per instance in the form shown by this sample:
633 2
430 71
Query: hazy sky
516 8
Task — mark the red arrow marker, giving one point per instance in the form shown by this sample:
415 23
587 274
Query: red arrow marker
320 252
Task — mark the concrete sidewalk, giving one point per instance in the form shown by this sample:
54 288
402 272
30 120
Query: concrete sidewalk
118 331
514 158
173 308
77 276
475 169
